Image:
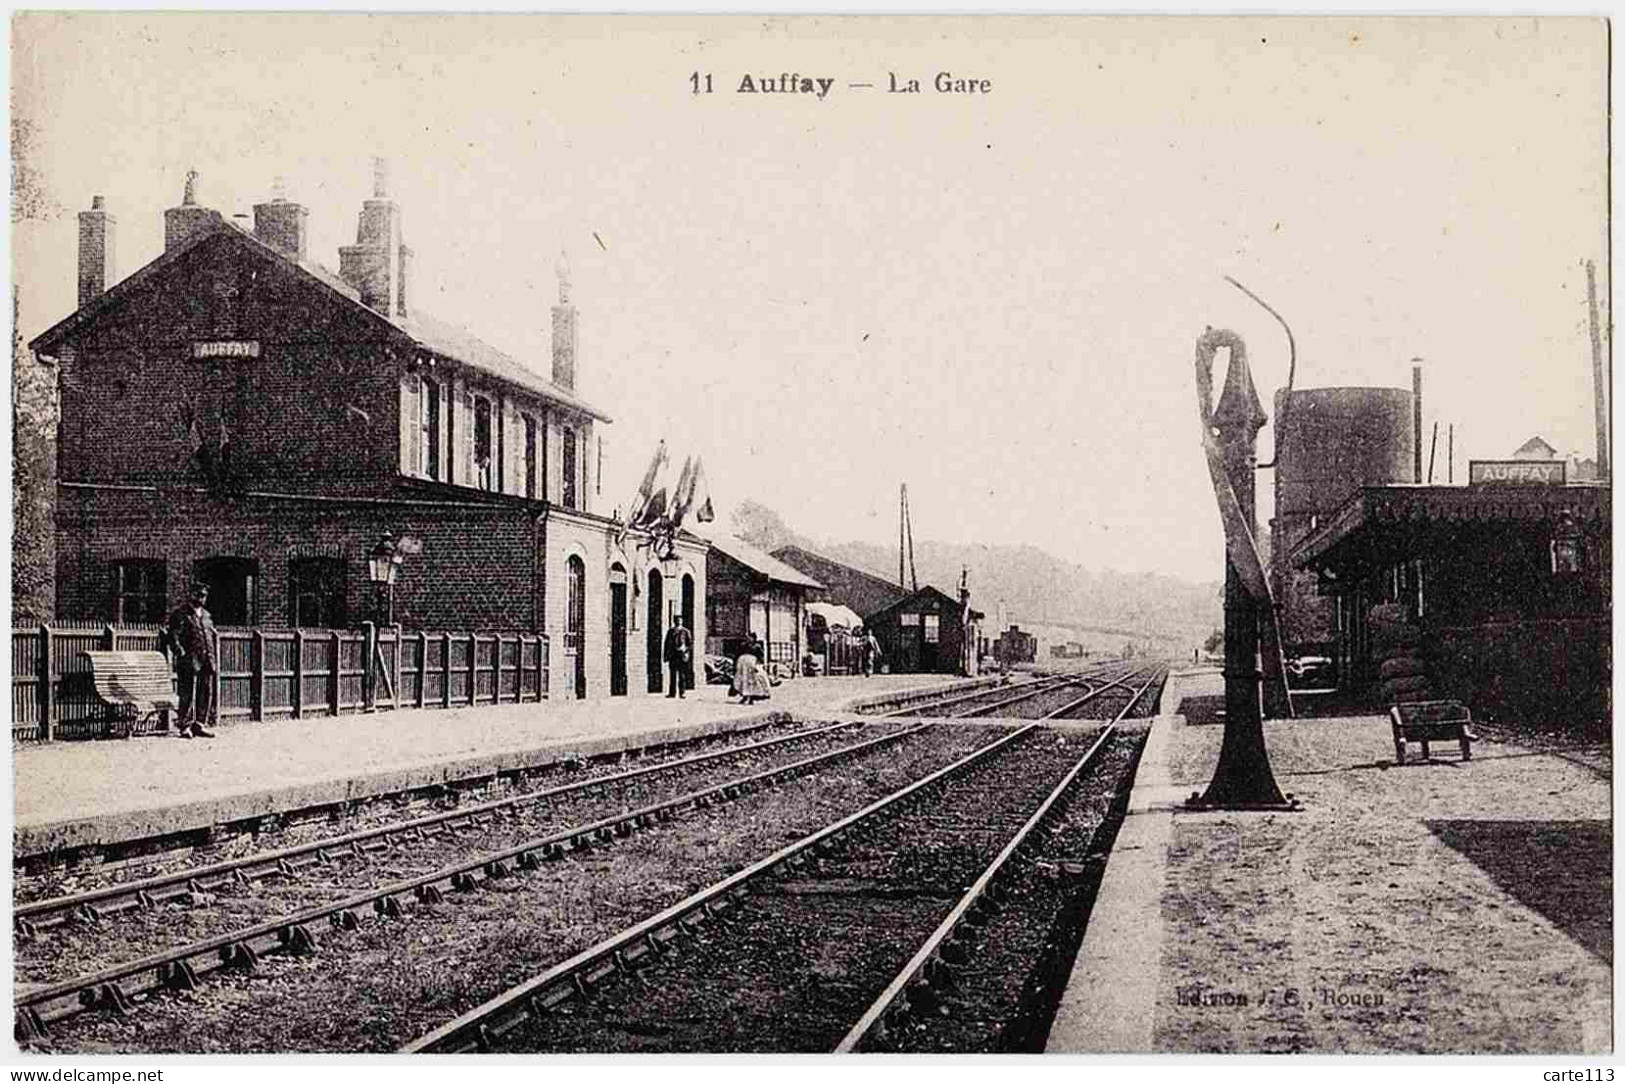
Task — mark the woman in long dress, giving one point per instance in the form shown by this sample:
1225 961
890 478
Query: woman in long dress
749 677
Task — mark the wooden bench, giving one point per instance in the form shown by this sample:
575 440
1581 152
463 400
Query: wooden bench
1428 721
137 687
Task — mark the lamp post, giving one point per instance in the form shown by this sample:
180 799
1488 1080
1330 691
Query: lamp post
382 564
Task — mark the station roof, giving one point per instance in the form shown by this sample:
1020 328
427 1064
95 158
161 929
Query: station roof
1388 519
758 561
428 332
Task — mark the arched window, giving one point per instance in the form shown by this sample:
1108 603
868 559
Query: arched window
575 616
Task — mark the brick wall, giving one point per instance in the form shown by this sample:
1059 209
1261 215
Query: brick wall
476 570
317 411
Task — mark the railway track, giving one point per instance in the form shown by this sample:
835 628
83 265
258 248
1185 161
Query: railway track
834 940
1119 698
1015 701
81 911
233 944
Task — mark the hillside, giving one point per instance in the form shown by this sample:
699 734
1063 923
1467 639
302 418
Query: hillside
1036 588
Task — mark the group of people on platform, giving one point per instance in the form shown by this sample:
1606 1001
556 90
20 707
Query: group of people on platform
189 638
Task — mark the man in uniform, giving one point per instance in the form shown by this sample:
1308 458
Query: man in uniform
678 648
191 634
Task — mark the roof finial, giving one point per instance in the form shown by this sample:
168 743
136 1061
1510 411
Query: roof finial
562 269
190 198
380 178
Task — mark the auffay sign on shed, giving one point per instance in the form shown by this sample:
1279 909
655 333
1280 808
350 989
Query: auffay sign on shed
1517 472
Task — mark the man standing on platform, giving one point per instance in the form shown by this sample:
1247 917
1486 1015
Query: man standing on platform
678 648
191 633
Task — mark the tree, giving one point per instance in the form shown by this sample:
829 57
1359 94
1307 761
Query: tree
1214 642
33 483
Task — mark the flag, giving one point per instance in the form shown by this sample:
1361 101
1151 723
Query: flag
683 495
699 485
646 490
655 509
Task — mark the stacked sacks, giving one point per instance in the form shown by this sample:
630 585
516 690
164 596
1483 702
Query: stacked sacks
1397 644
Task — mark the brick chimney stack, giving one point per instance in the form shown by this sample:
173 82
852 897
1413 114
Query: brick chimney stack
373 265
184 224
564 330
281 223
96 228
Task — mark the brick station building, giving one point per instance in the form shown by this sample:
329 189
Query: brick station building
235 413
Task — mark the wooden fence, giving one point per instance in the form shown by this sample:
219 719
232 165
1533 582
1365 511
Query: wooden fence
281 673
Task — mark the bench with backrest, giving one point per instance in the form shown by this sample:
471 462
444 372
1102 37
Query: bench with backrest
1431 720
137 687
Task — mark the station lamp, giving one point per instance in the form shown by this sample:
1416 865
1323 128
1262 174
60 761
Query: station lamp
383 563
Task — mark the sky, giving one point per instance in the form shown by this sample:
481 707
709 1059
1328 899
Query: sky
993 297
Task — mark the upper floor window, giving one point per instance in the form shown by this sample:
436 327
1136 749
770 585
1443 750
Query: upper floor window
316 593
429 430
571 467
485 464
530 455
138 592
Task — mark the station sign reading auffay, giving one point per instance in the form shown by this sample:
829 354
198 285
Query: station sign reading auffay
226 349
1517 472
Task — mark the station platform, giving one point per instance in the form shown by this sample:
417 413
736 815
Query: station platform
1442 907
85 795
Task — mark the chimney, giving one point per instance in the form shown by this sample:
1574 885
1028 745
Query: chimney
405 276
281 223
96 272
1416 419
186 223
372 264
564 330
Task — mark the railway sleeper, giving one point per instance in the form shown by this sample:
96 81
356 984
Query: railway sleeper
28 1026
498 869
178 975
345 920
429 894
108 997
298 939
239 956
25 930
389 907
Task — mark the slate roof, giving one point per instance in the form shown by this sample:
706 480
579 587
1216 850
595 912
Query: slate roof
753 558
424 329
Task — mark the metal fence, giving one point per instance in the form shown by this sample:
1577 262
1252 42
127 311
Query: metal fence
280 673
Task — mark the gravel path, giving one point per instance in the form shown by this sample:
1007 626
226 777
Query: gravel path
1441 907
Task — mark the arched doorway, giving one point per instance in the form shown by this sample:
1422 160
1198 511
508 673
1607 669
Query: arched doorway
688 623
575 624
617 630
656 627
233 584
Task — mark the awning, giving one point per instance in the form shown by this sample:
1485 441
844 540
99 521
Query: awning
1381 519
835 615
